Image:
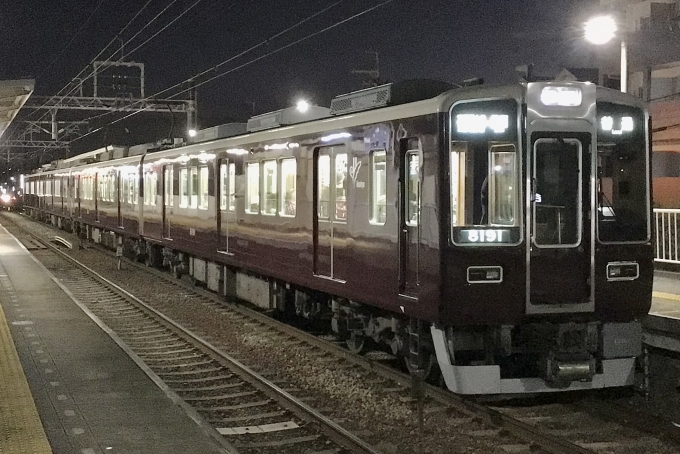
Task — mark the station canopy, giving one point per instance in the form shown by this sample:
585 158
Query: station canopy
13 95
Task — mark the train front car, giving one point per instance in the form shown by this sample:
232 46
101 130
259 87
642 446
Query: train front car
549 262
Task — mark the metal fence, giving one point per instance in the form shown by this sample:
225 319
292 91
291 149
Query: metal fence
666 226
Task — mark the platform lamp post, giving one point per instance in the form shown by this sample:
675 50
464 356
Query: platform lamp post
602 29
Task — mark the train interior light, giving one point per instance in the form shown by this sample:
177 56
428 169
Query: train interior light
336 136
237 151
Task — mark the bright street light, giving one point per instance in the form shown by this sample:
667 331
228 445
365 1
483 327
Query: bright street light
601 30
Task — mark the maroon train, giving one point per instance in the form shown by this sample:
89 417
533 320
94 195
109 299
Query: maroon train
501 233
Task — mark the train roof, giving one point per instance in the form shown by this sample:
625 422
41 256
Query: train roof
373 105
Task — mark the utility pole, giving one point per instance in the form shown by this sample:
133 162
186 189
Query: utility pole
373 75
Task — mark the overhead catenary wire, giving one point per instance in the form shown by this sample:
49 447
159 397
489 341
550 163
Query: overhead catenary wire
77 76
265 42
70 41
268 54
118 36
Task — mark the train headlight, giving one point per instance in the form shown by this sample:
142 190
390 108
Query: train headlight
622 271
6 198
561 96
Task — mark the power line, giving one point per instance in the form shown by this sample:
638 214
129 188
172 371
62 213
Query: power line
73 37
62 97
264 42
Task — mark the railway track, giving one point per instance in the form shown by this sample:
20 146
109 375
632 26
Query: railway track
249 412
554 427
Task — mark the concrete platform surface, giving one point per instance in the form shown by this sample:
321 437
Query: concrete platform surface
91 397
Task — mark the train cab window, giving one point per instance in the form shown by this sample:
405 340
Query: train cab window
378 188
228 186
184 187
622 172
484 173
203 187
270 202
253 188
557 192
288 188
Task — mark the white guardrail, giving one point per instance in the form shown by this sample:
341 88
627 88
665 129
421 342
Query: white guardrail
666 226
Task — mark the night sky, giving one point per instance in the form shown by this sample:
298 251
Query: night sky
436 39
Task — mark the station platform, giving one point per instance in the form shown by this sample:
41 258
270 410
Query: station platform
65 386
666 295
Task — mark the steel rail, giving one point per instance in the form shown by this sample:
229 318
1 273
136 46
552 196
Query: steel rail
331 429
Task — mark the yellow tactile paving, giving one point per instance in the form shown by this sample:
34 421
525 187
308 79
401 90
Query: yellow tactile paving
21 431
666 296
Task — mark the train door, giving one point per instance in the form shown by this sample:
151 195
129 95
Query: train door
409 214
227 204
330 208
167 199
562 231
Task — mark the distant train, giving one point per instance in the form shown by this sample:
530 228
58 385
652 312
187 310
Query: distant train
10 201
501 233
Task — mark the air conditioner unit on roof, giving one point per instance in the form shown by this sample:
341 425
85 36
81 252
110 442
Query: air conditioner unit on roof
369 98
288 116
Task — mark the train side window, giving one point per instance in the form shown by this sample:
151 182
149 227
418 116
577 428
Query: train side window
184 187
324 186
168 186
288 187
227 186
203 188
135 189
378 188
224 187
193 190
153 188
253 188
101 187
332 183
126 189
413 188
232 187
270 201
341 186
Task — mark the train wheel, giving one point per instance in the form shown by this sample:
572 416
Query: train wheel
356 343
430 367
